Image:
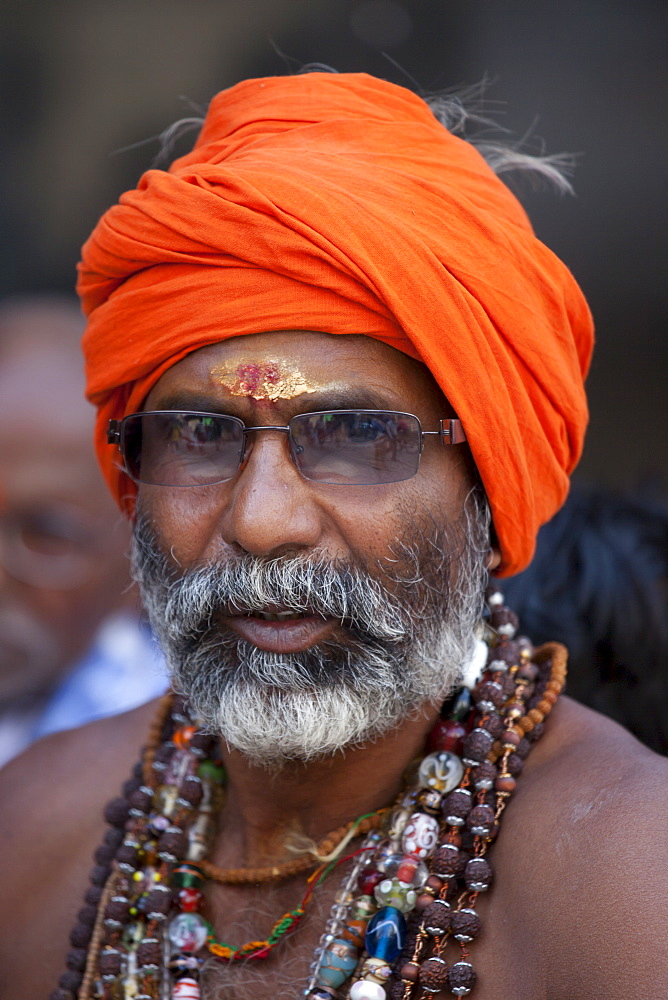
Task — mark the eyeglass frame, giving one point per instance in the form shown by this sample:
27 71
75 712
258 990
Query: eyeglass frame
450 431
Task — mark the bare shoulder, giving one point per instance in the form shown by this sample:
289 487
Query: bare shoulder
588 770
584 854
51 803
65 774
581 747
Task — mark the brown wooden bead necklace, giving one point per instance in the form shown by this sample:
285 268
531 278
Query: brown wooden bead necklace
327 850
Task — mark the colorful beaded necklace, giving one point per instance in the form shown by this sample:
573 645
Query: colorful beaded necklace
405 913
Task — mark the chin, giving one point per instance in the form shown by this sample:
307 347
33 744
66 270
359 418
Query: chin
274 728
276 709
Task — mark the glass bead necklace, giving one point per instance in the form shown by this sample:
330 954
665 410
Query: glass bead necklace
409 897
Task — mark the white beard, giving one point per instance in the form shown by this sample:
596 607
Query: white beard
406 641
287 720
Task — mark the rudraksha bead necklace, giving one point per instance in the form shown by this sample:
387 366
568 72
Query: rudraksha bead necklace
403 918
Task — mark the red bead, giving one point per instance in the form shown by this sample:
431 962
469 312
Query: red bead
407 869
368 880
447 734
189 900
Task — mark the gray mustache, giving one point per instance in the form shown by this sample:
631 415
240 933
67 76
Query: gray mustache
248 585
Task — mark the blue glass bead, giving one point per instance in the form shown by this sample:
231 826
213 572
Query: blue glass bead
338 963
386 934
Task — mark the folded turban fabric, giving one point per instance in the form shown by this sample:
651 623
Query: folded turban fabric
338 203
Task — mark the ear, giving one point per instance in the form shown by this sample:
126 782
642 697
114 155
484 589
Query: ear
493 558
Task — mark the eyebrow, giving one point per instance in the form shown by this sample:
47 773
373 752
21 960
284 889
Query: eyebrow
353 398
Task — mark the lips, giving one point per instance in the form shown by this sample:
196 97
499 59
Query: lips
279 631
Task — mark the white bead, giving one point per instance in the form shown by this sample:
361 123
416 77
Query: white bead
441 770
474 668
186 989
421 835
364 990
187 932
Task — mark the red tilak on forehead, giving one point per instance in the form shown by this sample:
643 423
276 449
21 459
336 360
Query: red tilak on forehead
269 379
253 374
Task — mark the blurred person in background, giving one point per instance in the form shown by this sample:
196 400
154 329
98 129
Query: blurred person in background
72 648
599 583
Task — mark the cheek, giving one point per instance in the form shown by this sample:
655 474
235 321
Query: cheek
445 479
373 521
367 521
185 521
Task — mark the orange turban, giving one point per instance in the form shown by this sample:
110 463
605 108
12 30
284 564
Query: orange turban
338 203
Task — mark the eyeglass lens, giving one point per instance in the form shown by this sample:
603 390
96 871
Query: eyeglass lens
357 448
351 447
182 449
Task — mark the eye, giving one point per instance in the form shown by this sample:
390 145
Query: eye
198 430
366 429
194 431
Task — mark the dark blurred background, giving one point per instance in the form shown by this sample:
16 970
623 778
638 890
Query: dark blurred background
84 82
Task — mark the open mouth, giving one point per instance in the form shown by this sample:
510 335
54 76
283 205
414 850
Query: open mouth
279 616
281 630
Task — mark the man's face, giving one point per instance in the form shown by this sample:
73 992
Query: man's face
219 563
63 544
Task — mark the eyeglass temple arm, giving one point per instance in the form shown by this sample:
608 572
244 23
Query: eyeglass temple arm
451 431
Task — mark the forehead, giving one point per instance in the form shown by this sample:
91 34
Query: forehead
305 366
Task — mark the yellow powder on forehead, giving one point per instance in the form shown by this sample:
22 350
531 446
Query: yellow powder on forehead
266 379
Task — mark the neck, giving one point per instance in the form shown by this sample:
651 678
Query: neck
263 808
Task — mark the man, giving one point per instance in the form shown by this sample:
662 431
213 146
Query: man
71 647
323 347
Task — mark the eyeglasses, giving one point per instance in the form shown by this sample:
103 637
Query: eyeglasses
340 447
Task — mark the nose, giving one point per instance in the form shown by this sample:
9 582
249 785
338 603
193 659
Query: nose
273 510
